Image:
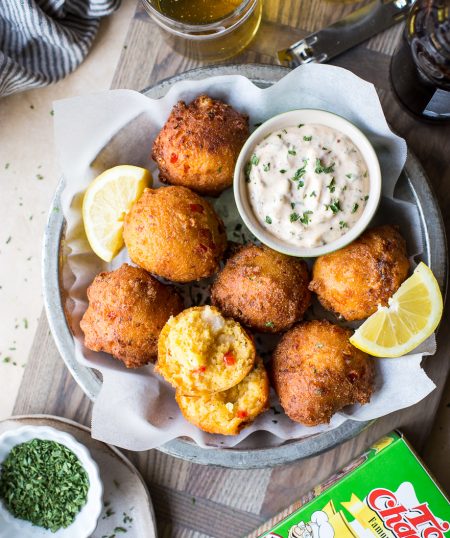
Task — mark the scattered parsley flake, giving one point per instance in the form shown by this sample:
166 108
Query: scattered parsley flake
6 359
8 240
268 220
284 131
120 529
283 171
355 208
6 166
349 176
343 224
293 217
305 219
313 194
266 167
292 152
365 174
300 125
247 170
307 138
366 197
332 185
254 159
25 323
292 205
40 177
52 112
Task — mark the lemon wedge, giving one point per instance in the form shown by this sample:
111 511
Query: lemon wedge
106 202
413 314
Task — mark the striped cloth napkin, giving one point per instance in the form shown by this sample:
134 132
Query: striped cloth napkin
41 41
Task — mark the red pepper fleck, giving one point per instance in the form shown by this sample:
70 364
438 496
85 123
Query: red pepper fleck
229 358
196 208
199 370
173 158
242 414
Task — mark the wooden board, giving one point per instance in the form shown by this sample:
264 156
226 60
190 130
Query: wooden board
198 502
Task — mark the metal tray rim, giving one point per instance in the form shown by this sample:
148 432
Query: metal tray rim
233 457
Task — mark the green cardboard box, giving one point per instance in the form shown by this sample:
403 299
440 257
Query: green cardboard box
385 493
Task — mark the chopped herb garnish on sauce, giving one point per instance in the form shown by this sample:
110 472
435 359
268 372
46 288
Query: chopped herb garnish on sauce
332 185
313 194
43 482
293 217
366 197
305 219
292 205
355 208
292 152
247 170
349 176
268 220
283 171
343 224
334 206
307 138
266 167
320 168
254 160
300 125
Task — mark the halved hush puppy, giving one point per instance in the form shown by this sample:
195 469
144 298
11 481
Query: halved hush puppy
229 411
353 281
127 310
201 351
263 289
317 372
174 233
199 145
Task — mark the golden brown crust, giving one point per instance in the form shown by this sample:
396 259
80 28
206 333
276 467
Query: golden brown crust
127 310
316 372
199 145
174 233
263 289
229 411
353 281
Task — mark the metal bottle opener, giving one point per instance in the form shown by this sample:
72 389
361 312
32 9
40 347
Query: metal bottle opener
357 27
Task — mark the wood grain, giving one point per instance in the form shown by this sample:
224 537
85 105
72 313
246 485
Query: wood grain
198 502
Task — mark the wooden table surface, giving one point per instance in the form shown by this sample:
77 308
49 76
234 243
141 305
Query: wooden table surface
190 500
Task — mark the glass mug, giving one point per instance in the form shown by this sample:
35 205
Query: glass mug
206 35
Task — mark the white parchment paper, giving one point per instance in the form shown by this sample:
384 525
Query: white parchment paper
136 409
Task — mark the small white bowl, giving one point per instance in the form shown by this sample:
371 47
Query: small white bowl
287 119
86 520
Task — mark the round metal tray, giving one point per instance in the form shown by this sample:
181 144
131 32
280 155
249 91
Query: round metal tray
413 186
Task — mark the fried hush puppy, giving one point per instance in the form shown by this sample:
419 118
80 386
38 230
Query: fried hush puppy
229 411
317 372
174 233
353 281
201 351
199 145
127 310
263 289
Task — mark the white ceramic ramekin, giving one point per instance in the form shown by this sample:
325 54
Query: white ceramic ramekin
287 119
86 520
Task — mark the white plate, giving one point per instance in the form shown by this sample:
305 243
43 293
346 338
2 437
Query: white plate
126 501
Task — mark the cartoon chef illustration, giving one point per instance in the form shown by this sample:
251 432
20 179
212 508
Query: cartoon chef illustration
318 527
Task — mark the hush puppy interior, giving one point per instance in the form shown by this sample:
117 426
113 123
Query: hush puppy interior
263 289
174 233
316 372
199 351
199 145
127 310
229 411
353 281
